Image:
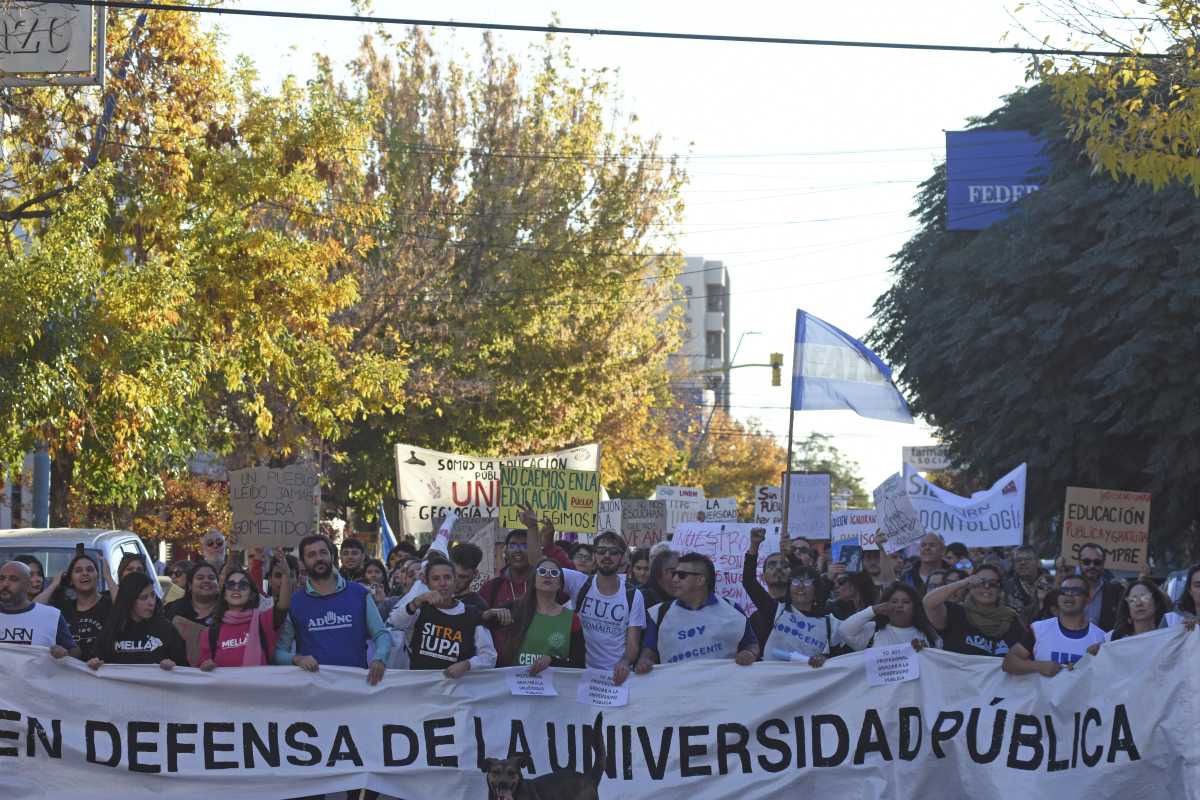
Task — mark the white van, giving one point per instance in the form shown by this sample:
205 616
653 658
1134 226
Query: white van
55 547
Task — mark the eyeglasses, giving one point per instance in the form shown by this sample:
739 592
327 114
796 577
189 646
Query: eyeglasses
178 573
213 543
803 583
989 584
548 572
518 545
1072 591
683 574
1092 562
242 585
607 551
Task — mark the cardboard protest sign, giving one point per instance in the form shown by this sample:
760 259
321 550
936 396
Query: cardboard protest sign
991 518
643 523
895 514
1117 521
570 498
720 509
274 507
726 544
429 482
684 504
809 504
854 526
768 505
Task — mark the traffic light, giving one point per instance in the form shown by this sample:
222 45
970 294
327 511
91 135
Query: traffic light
776 369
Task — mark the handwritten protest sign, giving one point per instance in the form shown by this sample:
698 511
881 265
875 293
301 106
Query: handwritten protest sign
721 509
726 544
684 504
643 523
895 514
274 507
768 505
569 498
1117 521
429 482
809 504
853 526
596 688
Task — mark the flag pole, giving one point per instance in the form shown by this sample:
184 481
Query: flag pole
786 483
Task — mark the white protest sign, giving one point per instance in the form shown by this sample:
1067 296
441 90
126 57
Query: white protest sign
994 517
896 515
40 38
852 526
933 458
609 516
522 684
809 504
768 505
128 731
721 509
429 483
274 507
726 544
678 492
596 688
896 663
642 523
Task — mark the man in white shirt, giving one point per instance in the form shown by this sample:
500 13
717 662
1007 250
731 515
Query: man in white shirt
25 622
1059 642
613 614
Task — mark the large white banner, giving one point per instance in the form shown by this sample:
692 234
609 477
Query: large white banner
429 482
991 518
699 730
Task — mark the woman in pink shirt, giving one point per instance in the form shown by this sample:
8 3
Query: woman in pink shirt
242 634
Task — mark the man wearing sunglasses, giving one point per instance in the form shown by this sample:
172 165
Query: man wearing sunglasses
1060 642
611 610
1104 595
696 624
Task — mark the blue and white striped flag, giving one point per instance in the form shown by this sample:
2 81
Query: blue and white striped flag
833 370
387 539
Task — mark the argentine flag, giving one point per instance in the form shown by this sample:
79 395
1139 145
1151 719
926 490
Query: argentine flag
387 540
833 370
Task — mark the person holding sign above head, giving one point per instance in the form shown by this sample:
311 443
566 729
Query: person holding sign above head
445 633
544 633
775 575
1060 642
696 624
137 632
331 619
980 625
1104 593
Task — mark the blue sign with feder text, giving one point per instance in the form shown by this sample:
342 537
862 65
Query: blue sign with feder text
987 171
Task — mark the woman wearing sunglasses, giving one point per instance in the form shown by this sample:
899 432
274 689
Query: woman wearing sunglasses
242 634
800 631
981 625
543 632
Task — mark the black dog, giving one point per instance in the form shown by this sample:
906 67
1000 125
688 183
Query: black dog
506 781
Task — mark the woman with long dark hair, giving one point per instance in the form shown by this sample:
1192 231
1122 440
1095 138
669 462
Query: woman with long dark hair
137 632
800 631
544 633
37 574
853 592
89 610
242 634
200 596
899 618
639 566
1142 608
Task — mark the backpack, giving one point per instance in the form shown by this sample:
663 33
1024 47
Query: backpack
630 591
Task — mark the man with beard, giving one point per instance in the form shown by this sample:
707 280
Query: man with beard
351 558
611 610
775 575
26 622
1104 594
332 619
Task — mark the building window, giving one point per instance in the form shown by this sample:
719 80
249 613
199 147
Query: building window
715 293
713 342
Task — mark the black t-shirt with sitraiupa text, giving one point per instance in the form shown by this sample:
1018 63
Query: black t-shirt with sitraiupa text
960 636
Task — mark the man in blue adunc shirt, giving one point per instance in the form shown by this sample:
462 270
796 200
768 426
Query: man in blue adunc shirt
331 620
696 624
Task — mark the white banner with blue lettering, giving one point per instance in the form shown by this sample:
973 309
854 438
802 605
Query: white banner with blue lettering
1121 724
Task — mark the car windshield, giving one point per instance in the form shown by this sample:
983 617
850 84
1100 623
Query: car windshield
53 559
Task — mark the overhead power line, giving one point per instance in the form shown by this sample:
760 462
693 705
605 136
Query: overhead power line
613 32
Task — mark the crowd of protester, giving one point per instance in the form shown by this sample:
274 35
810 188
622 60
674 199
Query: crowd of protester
600 605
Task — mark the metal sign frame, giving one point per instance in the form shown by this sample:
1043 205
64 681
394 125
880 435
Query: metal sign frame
93 78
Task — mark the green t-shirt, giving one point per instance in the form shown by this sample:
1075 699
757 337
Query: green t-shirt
547 636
